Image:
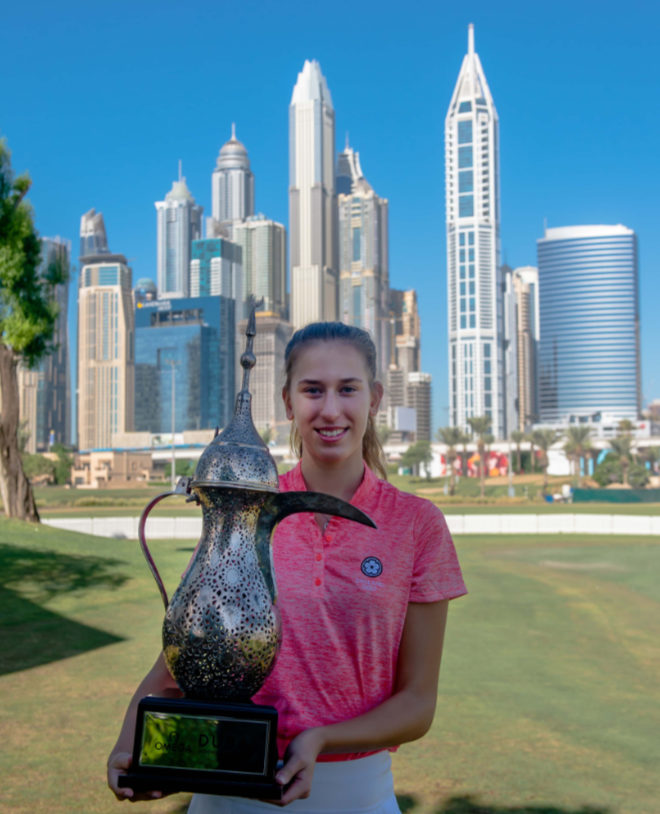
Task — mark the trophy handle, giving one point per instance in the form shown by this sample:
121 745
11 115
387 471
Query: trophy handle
182 488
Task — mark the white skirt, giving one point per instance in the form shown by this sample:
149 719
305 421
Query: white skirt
362 786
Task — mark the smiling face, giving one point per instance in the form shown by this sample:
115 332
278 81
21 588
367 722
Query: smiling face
330 398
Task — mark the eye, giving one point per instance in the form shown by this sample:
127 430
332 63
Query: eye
349 388
311 390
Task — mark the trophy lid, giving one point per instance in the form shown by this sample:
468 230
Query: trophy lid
238 458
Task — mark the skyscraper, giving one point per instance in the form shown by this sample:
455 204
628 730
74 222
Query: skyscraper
105 349
188 341
363 255
476 363
179 222
263 252
44 392
589 360
232 187
312 205
526 293
93 239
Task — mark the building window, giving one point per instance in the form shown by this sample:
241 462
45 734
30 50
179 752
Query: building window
465 107
464 157
465 181
465 132
357 247
465 206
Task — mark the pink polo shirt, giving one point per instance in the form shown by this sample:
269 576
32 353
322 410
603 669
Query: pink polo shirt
343 596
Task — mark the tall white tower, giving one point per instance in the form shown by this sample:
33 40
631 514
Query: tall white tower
232 183
312 210
475 318
179 222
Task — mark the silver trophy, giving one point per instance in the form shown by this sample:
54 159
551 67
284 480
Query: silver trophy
222 630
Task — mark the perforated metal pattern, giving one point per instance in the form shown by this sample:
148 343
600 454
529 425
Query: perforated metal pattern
222 630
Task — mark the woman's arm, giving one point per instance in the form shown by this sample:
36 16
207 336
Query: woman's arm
158 681
405 716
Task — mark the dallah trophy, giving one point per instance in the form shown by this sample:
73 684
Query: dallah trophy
222 631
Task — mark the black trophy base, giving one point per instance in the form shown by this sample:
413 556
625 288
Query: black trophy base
211 748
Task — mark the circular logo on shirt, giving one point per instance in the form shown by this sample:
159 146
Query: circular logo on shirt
372 567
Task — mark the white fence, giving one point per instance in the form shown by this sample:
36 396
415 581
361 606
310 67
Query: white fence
190 528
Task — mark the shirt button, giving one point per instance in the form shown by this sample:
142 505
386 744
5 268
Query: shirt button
317 582
318 558
327 538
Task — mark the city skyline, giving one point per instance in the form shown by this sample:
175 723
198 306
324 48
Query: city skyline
566 148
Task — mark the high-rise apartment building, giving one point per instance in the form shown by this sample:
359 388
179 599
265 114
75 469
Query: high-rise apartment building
105 350
476 364
312 204
262 243
93 238
589 358
419 398
527 316
405 338
267 377
44 391
216 270
179 222
232 188
188 342
363 255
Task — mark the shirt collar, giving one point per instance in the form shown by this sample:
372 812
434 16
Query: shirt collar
367 484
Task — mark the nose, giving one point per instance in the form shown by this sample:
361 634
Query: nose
330 408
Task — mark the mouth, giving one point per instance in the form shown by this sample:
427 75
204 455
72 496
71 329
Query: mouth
331 433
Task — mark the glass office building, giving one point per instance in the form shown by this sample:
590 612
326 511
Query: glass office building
188 342
589 361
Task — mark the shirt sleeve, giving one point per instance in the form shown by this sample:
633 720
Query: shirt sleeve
436 570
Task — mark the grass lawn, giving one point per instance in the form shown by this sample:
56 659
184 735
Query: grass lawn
57 501
548 699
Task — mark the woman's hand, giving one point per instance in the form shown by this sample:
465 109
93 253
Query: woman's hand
120 763
299 761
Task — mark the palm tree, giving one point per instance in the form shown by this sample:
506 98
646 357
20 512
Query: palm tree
452 437
465 440
544 439
517 436
530 437
621 447
480 425
577 447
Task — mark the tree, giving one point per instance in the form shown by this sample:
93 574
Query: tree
577 447
418 453
543 440
480 425
36 466
530 437
621 447
28 312
452 437
63 464
517 436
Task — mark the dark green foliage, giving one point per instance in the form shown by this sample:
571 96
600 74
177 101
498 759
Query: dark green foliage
62 467
36 465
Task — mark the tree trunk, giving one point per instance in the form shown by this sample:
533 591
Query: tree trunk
452 474
16 490
482 471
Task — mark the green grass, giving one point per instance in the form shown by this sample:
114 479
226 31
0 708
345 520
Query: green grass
548 699
57 501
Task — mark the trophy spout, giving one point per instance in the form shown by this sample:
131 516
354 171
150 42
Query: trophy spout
295 502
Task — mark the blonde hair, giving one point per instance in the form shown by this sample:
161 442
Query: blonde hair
372 450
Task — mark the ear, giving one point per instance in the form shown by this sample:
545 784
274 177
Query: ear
376 398
286 398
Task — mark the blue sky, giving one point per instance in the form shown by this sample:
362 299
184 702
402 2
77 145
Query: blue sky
100 101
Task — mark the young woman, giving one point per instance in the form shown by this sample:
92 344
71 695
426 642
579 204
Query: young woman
363 610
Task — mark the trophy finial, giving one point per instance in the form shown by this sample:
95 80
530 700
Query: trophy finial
248 359
238 457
